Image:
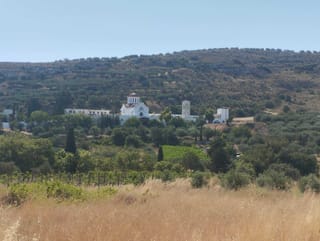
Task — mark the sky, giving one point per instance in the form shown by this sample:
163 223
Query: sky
48 30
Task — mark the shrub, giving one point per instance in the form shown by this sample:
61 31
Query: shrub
135 177
310 182
18 194
198 180
165 176
235 179
134 141
62 191
191 160
286 109
274 179
287 169
8 168
240 175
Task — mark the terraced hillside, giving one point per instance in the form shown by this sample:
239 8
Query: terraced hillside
248 80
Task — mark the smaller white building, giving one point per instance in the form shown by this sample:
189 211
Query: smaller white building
88 112
185 110
133 108
5 126
7 112
222 115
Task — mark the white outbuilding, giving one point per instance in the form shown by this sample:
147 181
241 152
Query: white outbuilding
222 115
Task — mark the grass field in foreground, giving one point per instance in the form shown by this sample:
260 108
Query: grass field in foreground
172 211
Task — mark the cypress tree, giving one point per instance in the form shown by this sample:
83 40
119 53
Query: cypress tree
160 154
71 143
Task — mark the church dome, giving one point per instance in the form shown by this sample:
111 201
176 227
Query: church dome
133 94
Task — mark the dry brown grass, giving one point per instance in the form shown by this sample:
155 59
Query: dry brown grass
170 212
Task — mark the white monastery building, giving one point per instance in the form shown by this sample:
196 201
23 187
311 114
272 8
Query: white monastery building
133 108
88 112
136 108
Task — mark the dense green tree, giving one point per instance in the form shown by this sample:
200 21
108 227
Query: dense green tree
275 179
209 115
194 132
133 140
143 133
286 109
132 122
305 163
32 105
108 122
134 160
169 136
8 168
78 120
220 159
166 115
39 116
26 153
191 161
177 122
261 156
160 154
71 142
62 100
208 133
198 180
199 123
156 136
119 136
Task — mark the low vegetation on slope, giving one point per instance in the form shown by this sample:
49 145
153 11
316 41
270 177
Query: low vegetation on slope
247 80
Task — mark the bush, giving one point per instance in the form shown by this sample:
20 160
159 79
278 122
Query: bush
136 178
8 168
310 182
18 194
287 169
133 140
198 180
274 179
62 191
235 179
165 176
191 160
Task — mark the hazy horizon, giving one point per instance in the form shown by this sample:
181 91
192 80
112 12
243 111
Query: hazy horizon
37 31
137 54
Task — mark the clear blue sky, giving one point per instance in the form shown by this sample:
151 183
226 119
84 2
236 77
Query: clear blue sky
47 30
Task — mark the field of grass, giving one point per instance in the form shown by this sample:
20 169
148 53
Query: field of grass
168 211
177 152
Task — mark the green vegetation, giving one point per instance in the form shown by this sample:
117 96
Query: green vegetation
21 192
277 87
171 153
251 79
199 179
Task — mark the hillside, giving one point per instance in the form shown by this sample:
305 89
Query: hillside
248 80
